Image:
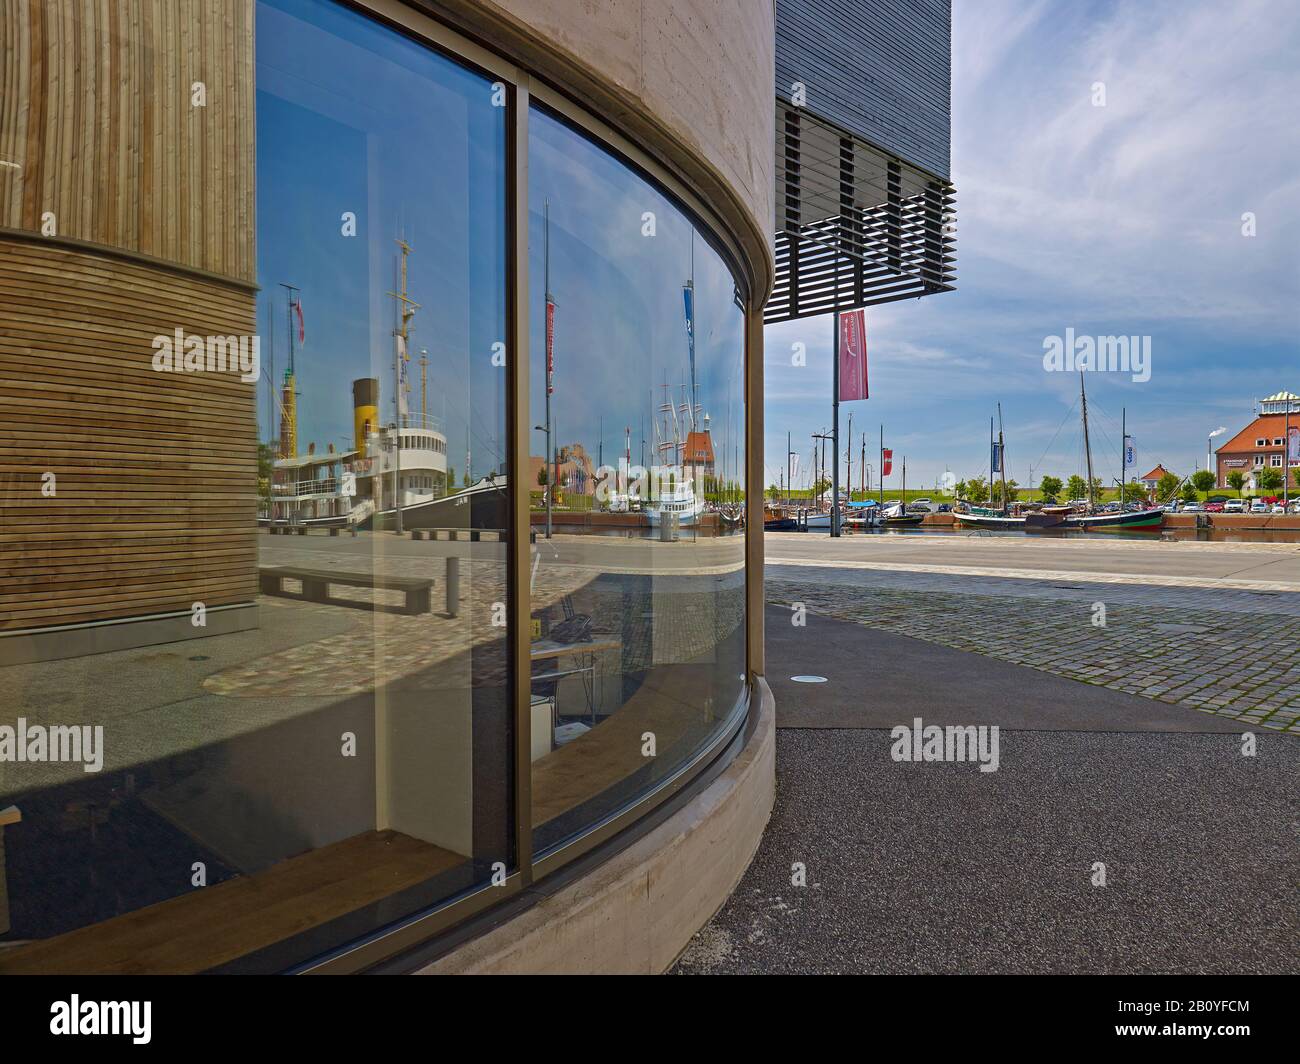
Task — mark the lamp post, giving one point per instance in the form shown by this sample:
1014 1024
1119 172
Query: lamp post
546 468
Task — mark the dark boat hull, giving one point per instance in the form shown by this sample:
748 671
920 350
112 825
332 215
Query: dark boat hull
1143 519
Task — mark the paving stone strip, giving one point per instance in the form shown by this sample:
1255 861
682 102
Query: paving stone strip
1234 662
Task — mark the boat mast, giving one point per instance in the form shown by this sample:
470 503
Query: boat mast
1087 448
401 353
1002 461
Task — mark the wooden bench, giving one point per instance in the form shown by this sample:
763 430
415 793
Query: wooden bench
316 584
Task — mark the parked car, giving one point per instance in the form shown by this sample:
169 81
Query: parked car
1277 508
1077 502
1214 507
1216 498
1259 508
1193 508
945 508
1234 506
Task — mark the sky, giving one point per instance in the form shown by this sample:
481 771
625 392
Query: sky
1122 219
336 136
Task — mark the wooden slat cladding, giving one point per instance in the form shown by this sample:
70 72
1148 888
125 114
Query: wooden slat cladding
98 128
156 473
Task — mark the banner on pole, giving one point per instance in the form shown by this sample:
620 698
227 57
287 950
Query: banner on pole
550 346
996 462
853 355
886 462
1130 453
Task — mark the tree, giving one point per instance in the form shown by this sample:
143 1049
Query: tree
1012 490
977 491
1188 491
1051 486
1203 479
961 487
541 476
1076 487
1135 491
1167 486
773 492
1236 480
1268 480
265 469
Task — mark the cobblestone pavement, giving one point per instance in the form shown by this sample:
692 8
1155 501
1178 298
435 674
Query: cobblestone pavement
1232 652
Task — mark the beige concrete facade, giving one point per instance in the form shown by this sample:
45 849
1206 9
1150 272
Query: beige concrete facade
637 912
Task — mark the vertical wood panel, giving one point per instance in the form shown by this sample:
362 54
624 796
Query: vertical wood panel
97 113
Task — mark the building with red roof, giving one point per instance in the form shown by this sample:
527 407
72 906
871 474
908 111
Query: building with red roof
1262 443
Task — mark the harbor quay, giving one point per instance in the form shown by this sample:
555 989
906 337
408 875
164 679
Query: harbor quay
1210 627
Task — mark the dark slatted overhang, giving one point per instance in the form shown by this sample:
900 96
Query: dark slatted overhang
855 225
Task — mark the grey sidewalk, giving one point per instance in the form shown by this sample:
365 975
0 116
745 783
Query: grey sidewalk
938 867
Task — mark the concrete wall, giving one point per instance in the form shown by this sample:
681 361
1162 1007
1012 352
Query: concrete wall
689 81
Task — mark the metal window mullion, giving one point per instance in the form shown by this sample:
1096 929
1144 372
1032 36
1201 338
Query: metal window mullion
520 599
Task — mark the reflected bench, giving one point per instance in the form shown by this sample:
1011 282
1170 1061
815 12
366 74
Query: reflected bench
316 584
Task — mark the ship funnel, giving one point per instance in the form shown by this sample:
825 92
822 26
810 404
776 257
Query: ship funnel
365 411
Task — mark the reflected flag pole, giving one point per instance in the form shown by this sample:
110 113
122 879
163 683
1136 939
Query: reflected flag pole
551 465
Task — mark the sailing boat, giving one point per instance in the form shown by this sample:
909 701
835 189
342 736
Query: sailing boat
897 516
1058 517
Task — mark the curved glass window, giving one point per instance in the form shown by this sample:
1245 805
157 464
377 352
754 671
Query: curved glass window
635 481
343 756
256 649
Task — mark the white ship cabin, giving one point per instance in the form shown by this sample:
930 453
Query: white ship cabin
423 467
341 486
310 486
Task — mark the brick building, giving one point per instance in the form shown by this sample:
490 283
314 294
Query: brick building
1262 443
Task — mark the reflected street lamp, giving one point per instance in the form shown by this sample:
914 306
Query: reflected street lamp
546 468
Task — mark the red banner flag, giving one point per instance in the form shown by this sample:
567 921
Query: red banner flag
302 329
853 355
886 462
550 347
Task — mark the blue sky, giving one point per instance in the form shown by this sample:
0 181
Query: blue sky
336 133
1124 219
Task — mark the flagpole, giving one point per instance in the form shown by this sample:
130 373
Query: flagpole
835 433
550 339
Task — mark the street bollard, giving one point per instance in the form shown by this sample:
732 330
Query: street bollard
453 586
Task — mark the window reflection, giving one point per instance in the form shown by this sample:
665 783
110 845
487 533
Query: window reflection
635 479
346 762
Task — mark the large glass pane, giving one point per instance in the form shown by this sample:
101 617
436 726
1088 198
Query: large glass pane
637 381
345 762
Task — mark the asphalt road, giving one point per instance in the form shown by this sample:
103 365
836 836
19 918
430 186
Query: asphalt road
941 868
938 867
